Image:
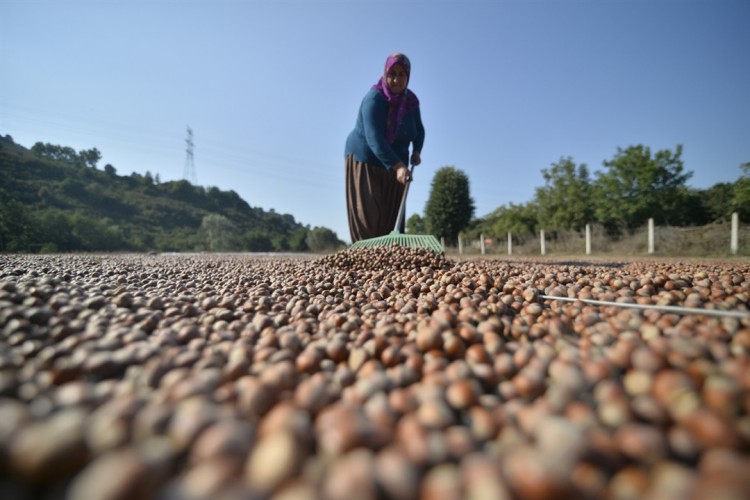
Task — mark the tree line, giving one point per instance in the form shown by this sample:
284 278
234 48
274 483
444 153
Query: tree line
632 187
55 199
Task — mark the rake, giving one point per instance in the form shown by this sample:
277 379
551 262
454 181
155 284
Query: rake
396 237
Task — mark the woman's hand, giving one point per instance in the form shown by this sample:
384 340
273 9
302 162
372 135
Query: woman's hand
415 158
402 173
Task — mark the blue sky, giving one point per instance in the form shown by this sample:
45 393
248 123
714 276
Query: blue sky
271 88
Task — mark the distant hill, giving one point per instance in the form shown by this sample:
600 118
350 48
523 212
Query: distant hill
54 199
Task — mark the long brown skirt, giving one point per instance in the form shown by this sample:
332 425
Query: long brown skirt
373 197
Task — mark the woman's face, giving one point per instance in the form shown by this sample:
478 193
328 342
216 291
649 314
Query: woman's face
396 78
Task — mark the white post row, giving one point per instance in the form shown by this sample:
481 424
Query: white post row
733 244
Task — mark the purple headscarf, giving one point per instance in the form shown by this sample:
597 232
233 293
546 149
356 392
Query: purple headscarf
401 103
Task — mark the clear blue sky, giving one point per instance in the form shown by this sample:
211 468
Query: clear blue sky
272 88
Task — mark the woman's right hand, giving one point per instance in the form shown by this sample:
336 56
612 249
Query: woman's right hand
402 173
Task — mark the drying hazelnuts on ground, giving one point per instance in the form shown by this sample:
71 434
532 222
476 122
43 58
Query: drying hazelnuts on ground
372 373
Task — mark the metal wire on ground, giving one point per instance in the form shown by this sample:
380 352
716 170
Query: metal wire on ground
671 309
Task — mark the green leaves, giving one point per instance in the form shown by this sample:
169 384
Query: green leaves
450 206
741 196
638 185
565 200
321 239
415 225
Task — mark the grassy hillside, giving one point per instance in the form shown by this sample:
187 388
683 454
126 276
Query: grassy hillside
62 203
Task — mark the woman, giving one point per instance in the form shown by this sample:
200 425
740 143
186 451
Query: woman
377 151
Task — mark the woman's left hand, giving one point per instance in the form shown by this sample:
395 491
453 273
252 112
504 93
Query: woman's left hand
415 158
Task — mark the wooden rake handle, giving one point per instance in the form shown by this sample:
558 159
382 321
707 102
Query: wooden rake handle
402 208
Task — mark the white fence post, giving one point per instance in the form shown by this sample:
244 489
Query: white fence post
460 245
481 243
588 239
510 244
650 235
442 242
734 243
543 243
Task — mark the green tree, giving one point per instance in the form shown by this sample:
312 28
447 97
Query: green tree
298 240
257 241
637 186
219 232
14 232
90 157
450 206
717 202
180 190
58 153
280 243
95 234
46 195
700 207
514 218
741 197
73 187
53 230
415 225
322 239
565 200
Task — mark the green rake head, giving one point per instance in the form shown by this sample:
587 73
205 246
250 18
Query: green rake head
404 240
398 238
